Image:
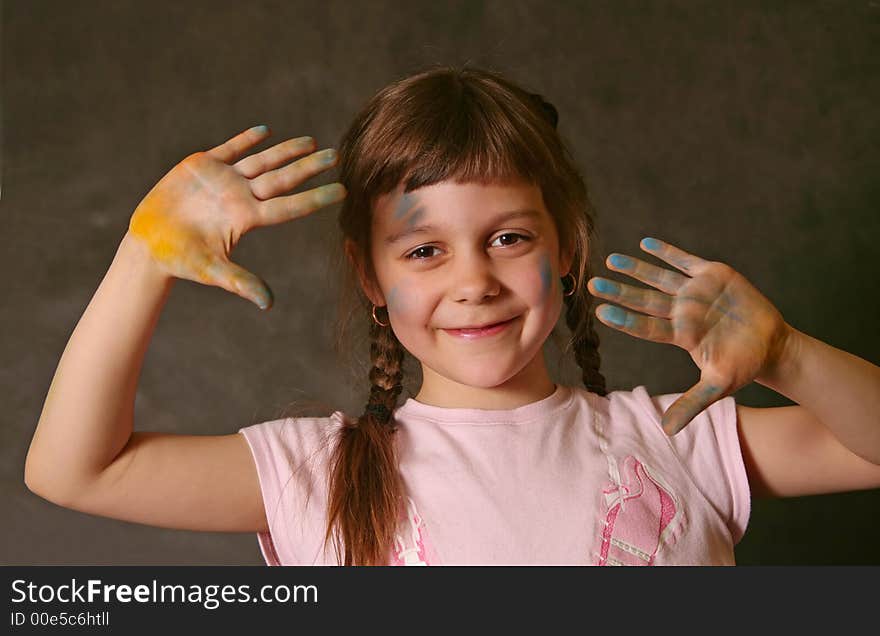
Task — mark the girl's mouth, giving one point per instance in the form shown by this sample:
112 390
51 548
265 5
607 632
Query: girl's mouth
483 332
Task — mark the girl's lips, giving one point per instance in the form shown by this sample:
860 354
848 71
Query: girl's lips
484 332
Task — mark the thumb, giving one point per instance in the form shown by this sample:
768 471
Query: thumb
695 400
237 280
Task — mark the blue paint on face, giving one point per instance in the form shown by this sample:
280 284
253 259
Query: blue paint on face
407 202
546 273
620 261
409 207
393 300
414 218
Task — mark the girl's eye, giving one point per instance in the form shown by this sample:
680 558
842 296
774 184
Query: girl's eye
412 255
417 250
513 234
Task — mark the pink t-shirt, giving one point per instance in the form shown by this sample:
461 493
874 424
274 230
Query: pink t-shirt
573 479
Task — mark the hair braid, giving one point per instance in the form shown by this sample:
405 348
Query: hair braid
386 374
585 339
464 125
367 505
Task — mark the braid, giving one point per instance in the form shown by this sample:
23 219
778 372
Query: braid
386 374
585 339
365 486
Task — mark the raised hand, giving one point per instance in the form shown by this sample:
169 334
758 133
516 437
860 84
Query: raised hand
196 214
731 331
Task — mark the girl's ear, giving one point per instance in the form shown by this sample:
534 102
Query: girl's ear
370 289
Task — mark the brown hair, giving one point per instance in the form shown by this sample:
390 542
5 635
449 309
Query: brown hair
463 125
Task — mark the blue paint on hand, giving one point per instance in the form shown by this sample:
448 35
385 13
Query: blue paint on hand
650 244
330 193
605 286
614 315
621 262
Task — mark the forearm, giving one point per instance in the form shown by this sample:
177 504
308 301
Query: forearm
88 413
840 389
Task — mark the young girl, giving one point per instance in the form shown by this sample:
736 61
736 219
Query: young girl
469 230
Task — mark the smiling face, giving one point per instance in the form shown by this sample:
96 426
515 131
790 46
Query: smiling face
451 256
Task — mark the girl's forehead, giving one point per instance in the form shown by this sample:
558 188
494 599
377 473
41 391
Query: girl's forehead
446 197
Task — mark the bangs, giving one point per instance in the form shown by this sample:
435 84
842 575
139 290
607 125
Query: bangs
449 130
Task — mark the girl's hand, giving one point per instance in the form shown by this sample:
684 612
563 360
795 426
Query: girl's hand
732 332
195 215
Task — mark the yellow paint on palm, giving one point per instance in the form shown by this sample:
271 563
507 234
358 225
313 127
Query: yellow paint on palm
167 241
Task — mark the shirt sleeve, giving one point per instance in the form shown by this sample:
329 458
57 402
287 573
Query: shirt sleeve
291 457
709 448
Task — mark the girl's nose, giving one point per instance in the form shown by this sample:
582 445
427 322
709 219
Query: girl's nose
474 281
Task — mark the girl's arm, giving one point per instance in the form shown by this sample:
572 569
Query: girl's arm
84 453
831 441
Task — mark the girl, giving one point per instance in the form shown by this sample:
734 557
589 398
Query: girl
468 229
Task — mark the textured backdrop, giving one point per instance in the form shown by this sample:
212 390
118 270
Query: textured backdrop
747 135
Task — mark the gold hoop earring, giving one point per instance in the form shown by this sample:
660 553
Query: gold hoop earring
376 320
573 284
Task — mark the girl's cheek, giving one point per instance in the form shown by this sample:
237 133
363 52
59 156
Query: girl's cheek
540 281
409 304
394 300
403 300
545 274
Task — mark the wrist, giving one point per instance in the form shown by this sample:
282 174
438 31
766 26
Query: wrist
135 254
784 357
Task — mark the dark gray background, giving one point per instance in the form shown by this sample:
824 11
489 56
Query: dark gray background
747 135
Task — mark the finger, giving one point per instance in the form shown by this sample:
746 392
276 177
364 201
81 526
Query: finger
231 150
281 209
663 279
647 301
237 280
645 327
681 412
678 258
278 182
278 155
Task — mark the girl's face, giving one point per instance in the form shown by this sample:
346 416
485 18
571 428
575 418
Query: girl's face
451 256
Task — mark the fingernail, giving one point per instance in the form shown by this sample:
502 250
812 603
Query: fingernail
262 128
328 156
604 286
264 302
614 315
620 261
650 243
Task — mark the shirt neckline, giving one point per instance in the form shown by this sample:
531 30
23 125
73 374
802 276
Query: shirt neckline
560 398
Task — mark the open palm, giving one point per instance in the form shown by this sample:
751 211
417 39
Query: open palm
731 331
195 215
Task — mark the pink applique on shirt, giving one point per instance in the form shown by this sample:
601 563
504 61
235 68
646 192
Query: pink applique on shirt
409 543
639 513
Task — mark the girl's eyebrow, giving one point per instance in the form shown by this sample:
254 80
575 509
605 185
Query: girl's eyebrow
427 227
